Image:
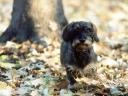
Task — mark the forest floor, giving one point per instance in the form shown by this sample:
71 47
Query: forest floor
31 69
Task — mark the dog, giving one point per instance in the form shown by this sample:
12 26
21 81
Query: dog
76 50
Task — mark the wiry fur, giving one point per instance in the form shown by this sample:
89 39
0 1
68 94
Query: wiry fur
76 48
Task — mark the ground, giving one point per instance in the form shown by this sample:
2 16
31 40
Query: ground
31 69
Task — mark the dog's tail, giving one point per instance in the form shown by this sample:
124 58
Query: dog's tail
60 16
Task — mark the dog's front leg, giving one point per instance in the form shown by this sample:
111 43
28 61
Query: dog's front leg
71 79
70 76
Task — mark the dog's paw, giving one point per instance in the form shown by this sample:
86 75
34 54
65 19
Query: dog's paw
73 87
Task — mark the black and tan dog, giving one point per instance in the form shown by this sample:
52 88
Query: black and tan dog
76 48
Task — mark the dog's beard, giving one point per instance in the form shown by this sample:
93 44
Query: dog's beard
82 46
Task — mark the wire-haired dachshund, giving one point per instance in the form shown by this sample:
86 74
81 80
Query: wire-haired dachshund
76 48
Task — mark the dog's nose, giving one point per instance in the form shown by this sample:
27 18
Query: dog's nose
82 40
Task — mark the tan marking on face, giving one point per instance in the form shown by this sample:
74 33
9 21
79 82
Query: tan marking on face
75 42
88 41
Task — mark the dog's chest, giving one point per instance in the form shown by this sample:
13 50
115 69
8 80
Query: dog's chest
82 59
81 62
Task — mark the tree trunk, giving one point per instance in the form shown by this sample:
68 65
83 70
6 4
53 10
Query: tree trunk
32 19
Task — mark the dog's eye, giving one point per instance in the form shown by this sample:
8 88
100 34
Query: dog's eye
89 29
91 34
93 37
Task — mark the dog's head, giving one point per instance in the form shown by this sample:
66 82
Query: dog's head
80 34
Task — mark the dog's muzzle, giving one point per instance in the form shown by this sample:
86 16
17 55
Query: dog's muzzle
82 44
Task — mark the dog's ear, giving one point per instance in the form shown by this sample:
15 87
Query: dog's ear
68 34
96 38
